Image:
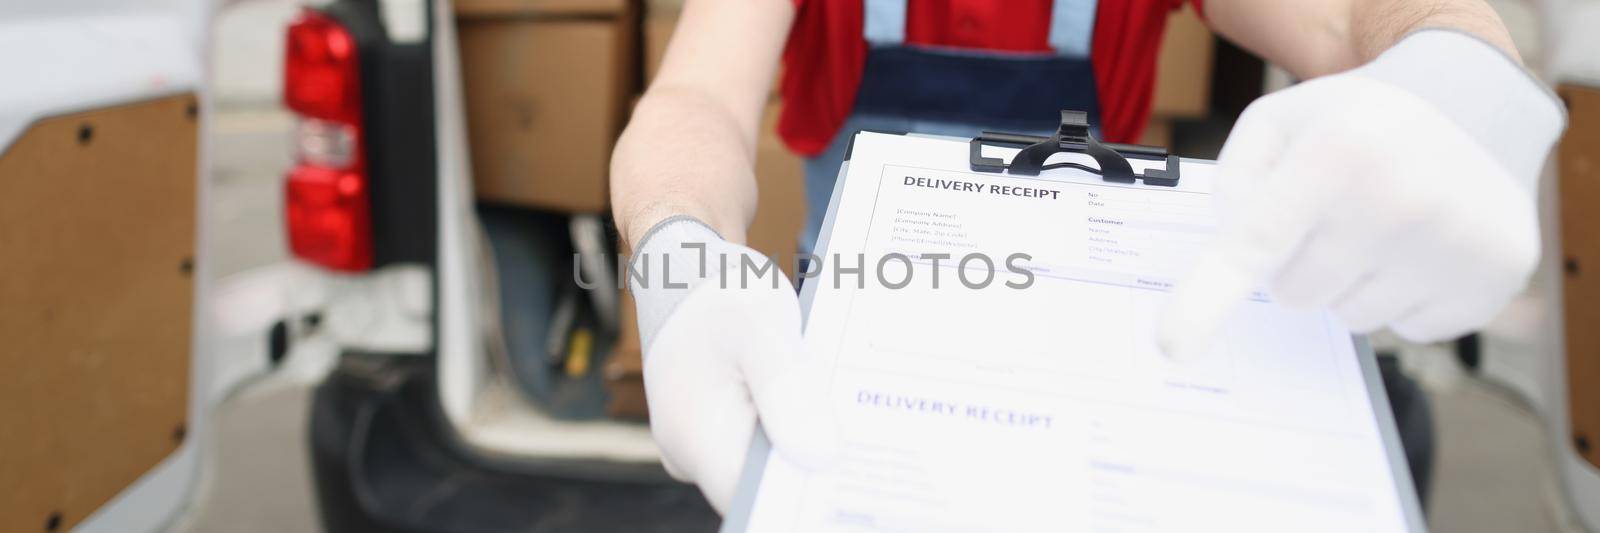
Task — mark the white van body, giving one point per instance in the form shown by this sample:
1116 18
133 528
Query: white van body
78 55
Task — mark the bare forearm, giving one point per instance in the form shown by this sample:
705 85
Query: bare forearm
1313 39
689 148
1378 24
683 153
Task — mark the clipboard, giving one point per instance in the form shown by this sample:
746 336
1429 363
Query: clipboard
1071 139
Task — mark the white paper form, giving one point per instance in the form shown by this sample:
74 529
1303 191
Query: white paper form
1050 408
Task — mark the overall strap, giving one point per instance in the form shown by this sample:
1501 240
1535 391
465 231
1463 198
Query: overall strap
885 23
1071 25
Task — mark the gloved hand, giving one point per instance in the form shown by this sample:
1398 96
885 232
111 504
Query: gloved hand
722 347
1399 194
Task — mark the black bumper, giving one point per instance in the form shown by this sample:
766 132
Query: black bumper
383 460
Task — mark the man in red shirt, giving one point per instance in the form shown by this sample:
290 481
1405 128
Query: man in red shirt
1394 187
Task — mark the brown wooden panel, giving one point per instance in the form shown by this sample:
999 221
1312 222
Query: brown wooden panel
1579 160
97 235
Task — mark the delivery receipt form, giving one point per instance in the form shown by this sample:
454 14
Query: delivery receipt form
1015 385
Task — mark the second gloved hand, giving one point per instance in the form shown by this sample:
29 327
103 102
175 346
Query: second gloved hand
722 348
1399 194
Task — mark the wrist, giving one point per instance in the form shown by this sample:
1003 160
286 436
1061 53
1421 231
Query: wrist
642 219
1484 91
679 255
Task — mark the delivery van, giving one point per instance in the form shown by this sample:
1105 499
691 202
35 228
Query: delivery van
448 189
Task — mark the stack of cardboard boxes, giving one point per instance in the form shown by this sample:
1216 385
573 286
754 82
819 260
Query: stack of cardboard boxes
549 84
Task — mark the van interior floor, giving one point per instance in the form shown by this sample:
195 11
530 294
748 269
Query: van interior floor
503 424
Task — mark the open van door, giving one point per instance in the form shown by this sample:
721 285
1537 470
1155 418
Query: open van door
102 271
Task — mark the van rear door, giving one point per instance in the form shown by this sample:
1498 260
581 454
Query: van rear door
103 270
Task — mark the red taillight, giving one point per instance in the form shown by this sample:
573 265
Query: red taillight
320 79
328 219
326 203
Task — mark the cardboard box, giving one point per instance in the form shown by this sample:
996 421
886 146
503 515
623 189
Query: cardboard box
545 98
660 18
658 26
624 369
775 232
1183 70
541 8
1157 133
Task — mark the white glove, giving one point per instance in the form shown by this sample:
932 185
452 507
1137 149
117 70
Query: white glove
722 346
1398 194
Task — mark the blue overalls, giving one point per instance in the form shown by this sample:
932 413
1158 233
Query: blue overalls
957 92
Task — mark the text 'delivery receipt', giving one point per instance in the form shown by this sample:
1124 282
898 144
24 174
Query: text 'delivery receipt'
994 368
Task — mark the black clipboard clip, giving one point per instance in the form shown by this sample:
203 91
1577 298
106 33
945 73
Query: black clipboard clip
1073 136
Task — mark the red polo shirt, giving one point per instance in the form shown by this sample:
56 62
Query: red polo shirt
826 52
